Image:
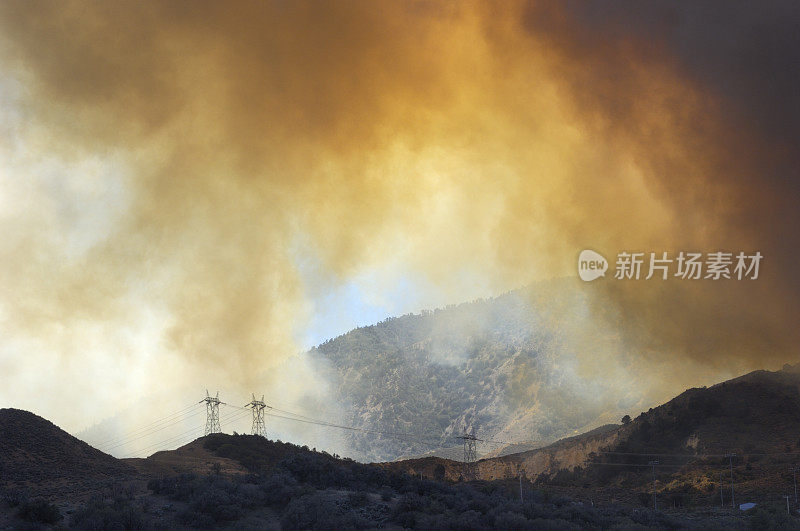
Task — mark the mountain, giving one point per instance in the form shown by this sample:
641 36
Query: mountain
520 369
755 416
599 479
249 482
505 367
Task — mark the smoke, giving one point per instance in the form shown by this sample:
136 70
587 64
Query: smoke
718 153
165 163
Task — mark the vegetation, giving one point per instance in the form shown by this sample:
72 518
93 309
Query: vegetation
39 511
485 363
117 514
318 503
297 488
306 489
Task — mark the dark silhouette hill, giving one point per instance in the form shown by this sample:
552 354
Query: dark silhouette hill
34 451
224 480
193 457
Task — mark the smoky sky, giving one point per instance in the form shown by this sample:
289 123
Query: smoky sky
173 164
746 57
746 53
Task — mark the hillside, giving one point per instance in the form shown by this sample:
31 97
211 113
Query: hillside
35 453
316 490
599 479
518 368
504 366
755 416
191 458
262 484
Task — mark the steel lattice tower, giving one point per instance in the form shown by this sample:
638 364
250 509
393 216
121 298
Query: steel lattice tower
470 454
258 407
212 413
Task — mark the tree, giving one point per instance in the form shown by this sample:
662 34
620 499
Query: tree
439 472
626 419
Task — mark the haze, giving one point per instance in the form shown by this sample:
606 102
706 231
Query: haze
192 193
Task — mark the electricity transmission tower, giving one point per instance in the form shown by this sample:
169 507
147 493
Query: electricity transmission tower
470 455
258 407
212 413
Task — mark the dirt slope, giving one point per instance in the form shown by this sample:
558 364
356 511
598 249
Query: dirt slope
39 457
192 457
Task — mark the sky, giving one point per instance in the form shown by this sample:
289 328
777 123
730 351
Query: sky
198 191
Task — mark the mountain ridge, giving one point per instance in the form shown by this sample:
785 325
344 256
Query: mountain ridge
505 366
755 416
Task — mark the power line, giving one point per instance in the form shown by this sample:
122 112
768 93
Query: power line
637 465
397 435
128 440
175 422
237 416
495 441
656 454
180 436
401 436
308 420
146 427
213 426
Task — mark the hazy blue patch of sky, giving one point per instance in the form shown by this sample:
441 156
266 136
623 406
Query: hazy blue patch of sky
337 305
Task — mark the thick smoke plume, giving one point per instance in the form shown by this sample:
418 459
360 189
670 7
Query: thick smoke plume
170 166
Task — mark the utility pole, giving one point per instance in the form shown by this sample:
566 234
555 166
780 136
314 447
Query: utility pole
721 488
653 464
731 456
787 503
258 407
212 413
520 484
794 478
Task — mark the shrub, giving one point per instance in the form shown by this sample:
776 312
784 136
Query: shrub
319 511
387 493
15 497
190 517
98 515
181 487
546 524
358 499
772 516
250 496
279 489
217 504
39 511
645 499
511 521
